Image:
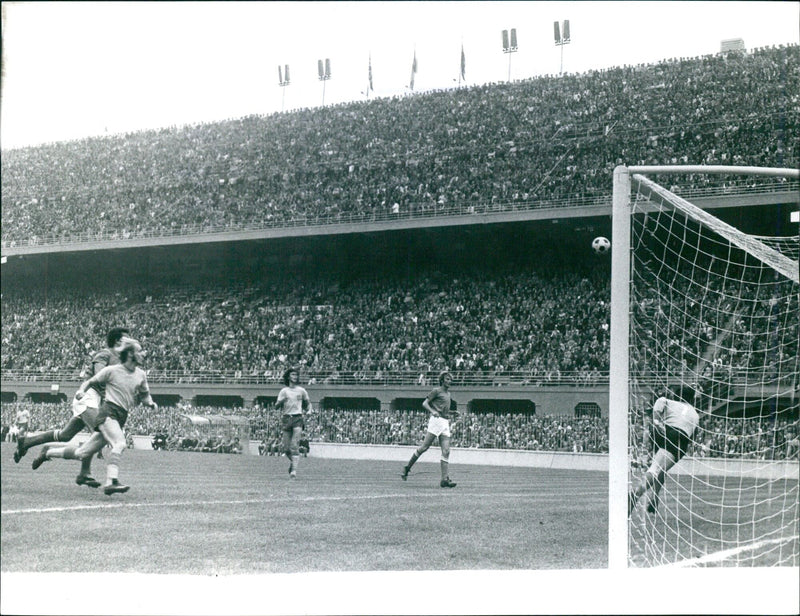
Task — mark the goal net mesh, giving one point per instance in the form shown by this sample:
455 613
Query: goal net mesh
714 315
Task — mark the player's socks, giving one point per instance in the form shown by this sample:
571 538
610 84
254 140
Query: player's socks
21 449
445 468
414 458
86 467
40 439
112 468
68 453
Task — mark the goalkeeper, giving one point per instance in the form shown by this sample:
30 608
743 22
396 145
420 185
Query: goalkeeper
674 424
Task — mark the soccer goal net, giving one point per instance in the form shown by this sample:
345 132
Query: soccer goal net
707 311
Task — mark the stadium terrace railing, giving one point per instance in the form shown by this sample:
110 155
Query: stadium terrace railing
741 377
335 378
413 212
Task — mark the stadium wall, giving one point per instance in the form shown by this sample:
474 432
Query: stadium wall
696 467
458 455
549 399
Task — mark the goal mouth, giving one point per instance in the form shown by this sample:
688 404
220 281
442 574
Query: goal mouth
709 308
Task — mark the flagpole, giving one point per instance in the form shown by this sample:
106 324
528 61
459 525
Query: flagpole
369 75
462 66
413 70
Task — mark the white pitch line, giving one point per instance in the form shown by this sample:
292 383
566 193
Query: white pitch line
724 554
539 498
257 501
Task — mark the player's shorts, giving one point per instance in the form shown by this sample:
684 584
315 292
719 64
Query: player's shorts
673 441
439 426
290 422
90 399
111 410
90 418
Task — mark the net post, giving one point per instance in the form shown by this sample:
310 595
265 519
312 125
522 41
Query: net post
618 378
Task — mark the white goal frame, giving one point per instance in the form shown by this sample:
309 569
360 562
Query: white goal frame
620 336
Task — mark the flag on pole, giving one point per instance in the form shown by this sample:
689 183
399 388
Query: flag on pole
370 73
463 64
413 70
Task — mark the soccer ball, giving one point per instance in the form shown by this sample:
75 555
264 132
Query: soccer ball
601 245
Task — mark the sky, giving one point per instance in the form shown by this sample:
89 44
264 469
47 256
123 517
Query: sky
75 69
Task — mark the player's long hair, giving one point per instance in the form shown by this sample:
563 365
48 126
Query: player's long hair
286 374
114 335
442 375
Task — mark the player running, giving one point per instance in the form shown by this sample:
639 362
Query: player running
21 421
292 401
437 403
84 411
125 386
674 425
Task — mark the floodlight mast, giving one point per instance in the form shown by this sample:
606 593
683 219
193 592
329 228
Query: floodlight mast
510 46
561 40
283 81
324 71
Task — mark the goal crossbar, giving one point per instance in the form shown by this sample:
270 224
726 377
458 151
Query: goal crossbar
715 169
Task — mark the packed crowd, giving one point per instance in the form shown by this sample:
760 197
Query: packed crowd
735 325
539 140
767 438
478 430
531 327
545 322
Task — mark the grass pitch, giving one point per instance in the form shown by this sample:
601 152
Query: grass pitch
719 522
218 514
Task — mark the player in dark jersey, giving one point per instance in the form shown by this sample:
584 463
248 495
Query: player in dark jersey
674 426
437 403
84 412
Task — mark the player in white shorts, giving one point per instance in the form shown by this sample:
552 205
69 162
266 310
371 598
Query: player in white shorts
437 403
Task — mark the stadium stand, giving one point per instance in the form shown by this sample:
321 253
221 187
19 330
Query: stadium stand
543 142
364 331
348 332
539 142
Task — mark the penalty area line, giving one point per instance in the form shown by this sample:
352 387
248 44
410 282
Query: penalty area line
254 501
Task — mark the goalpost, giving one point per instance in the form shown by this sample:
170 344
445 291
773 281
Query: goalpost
700 306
